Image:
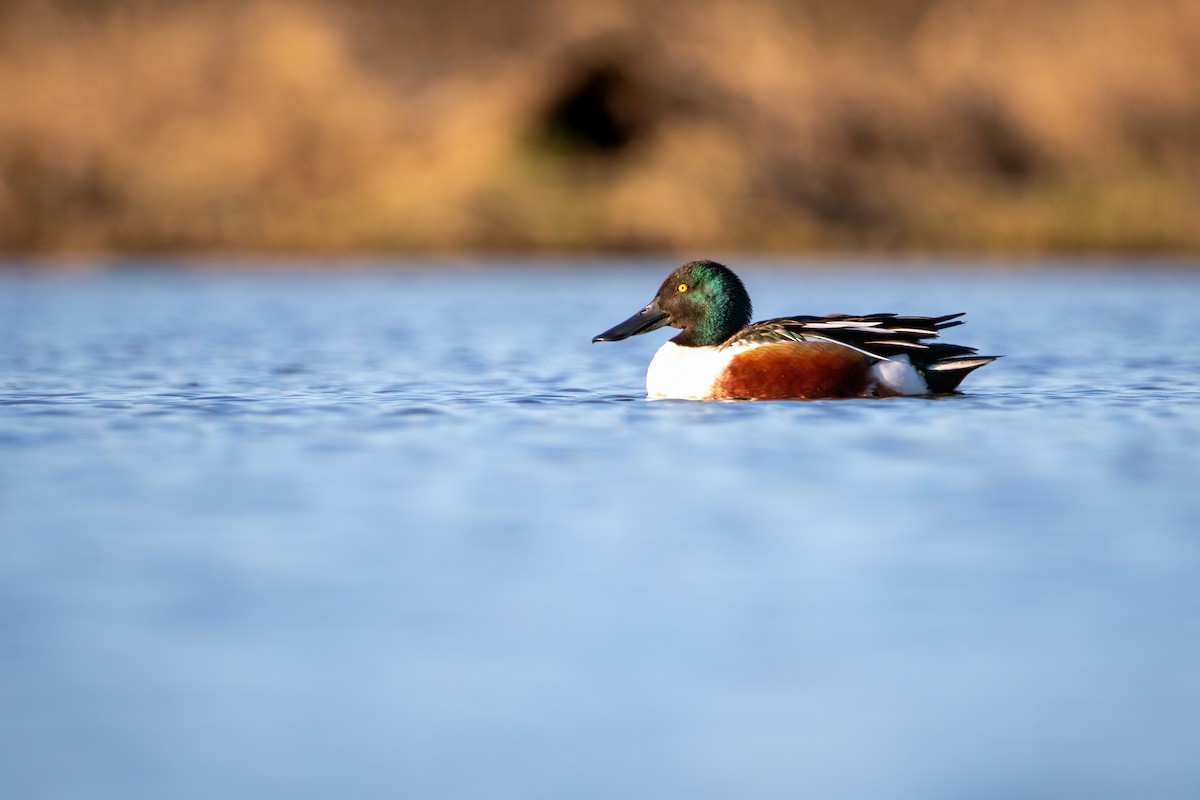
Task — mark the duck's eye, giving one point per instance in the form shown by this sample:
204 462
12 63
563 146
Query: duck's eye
683 287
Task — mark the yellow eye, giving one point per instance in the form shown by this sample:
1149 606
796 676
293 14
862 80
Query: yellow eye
683 287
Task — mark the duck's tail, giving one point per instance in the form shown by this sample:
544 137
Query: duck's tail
945 365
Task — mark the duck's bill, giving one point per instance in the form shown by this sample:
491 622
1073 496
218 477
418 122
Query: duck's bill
648 319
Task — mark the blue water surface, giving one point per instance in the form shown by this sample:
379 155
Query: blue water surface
401 531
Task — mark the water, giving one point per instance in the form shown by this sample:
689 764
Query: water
360 531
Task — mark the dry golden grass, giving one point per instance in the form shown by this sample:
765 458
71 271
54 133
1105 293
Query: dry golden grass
995 125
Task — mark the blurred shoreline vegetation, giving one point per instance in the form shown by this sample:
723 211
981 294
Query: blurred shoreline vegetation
760 125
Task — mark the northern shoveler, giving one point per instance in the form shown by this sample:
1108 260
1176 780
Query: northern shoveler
721 356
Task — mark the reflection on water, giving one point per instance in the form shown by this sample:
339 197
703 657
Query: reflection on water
409 534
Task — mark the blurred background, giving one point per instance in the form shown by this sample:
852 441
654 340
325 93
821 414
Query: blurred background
429 126
342 530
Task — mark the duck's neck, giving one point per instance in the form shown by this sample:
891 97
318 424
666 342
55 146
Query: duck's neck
704 335
726 313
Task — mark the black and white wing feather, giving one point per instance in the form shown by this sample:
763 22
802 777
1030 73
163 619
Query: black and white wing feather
877 335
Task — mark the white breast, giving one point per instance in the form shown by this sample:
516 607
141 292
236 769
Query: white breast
686 373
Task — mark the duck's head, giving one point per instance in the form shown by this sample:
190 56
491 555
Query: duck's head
703 298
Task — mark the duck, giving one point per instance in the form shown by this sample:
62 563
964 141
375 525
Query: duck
721 355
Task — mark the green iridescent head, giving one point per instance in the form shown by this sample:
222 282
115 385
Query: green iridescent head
703 298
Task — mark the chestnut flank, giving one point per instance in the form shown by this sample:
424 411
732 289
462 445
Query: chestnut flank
794 370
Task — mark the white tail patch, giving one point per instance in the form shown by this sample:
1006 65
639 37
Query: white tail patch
897 375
